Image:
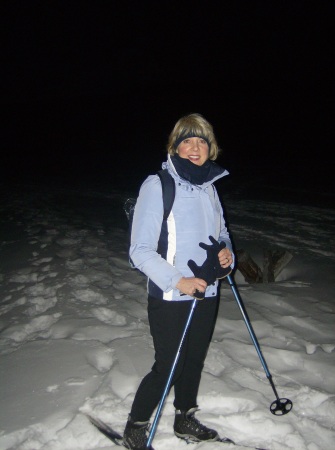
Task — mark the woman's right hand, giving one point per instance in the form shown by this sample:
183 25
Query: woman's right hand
188 285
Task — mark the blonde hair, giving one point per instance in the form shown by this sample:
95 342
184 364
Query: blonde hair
196 125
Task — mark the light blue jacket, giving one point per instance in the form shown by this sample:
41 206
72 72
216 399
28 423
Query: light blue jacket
196 214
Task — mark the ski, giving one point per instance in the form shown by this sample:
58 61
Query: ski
105 429
226 441
116 437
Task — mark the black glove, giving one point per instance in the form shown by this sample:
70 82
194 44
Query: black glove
208 269
215 248
206 272
211 268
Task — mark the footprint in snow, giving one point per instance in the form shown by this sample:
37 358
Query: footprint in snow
89 296
75 381
109 316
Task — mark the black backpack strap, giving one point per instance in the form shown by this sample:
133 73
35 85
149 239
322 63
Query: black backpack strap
168 190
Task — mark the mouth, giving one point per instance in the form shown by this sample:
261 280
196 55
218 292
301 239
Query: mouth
194 158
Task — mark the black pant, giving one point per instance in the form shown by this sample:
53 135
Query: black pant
167 321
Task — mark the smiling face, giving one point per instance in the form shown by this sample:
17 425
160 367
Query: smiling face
195 149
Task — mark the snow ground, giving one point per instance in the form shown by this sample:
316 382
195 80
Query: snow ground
74 335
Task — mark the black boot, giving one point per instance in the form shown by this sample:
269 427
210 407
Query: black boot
135 435
187 427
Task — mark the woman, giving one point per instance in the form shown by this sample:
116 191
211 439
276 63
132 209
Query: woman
196 215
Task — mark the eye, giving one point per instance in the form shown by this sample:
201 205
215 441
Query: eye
202 141
186 141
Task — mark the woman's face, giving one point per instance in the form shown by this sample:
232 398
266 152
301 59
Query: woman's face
194 149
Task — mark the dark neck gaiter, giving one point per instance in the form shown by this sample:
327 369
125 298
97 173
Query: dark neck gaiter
189 171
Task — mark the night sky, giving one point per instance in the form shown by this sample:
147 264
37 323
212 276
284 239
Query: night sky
92 89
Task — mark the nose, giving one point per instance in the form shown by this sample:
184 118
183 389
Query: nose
196 144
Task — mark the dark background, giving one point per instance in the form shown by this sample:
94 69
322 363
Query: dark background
92 89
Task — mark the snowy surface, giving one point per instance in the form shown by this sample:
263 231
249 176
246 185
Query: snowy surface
74 335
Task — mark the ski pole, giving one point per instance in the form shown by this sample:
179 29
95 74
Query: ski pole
168 384
280 406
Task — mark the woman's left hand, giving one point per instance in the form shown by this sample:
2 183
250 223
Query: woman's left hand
225 257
